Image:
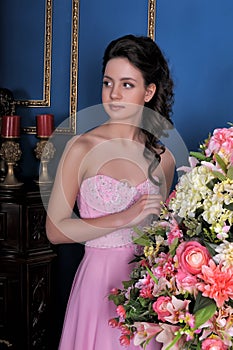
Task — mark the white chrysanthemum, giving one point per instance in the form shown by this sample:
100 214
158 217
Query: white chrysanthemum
214 211
225 255
191 191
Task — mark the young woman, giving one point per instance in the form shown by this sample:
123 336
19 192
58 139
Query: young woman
119 174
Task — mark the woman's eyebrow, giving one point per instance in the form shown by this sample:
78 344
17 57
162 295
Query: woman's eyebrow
124 78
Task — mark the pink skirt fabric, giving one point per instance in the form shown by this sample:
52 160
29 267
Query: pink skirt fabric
89 310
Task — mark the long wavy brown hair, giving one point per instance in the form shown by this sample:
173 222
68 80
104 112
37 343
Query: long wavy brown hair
145 55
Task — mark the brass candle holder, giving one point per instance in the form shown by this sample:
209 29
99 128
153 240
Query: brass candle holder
44 151
11 153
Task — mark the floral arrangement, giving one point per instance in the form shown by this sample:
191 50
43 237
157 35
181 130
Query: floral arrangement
180 291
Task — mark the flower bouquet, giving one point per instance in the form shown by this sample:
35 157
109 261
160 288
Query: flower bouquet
180 291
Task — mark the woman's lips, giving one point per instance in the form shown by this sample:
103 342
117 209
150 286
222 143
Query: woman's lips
115 107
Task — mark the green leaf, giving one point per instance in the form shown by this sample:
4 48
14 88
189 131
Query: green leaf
142 238
203 315
212 183
204 309
221 162
175 340
210 248
142 241
198 155
219 175
151 275
173 246
230 173
228 206
127 284
118 299
202 302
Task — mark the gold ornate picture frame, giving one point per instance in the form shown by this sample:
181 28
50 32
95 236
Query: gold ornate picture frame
45 102
151 19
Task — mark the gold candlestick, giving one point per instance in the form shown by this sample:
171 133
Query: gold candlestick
11 153
45 152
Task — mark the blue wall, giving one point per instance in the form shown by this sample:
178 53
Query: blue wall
196 37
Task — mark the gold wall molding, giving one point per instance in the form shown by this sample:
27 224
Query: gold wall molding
45 102
73 72
151 19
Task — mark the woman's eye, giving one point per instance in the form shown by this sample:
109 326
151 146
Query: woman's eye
106 83
128 85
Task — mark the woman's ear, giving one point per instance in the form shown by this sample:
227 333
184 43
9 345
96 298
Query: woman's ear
150 91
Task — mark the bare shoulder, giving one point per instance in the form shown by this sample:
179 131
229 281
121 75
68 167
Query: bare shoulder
168 163
168 158
84 142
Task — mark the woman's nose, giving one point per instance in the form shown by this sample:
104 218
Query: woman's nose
115 92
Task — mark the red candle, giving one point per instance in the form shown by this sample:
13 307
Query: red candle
44 125
10 126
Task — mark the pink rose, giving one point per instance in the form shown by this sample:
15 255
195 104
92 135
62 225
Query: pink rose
186 282
213 343
192 256
220 142
160 307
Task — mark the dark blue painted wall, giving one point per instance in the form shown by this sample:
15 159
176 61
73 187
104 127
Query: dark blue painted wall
197 37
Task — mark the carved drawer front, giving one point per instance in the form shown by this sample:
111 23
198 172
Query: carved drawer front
22 228
36 239
10 228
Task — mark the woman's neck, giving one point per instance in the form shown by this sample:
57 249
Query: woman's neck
123 130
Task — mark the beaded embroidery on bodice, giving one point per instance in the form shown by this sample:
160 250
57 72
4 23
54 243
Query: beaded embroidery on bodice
102 195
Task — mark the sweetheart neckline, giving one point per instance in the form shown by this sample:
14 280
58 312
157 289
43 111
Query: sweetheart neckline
114 179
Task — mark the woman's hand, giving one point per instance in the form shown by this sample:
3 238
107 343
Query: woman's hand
146 205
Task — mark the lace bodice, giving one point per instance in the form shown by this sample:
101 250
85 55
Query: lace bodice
102 195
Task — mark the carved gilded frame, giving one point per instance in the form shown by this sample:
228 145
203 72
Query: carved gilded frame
45 102
151 19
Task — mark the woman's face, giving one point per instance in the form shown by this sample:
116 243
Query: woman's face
124 92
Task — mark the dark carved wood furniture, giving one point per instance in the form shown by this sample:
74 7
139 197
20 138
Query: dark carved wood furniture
26 260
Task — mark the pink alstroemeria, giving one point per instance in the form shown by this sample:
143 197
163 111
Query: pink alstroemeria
177 308
164 266
175 232
192 161
167 335
212 167
145 331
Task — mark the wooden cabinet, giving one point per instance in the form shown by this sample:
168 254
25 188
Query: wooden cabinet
26 259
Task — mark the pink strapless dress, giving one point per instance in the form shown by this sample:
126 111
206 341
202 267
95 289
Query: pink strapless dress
104 266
